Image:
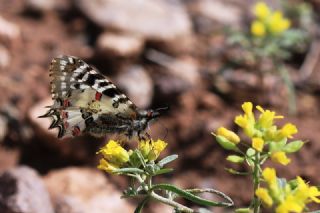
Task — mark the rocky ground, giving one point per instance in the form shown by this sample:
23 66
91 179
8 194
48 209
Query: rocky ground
160 53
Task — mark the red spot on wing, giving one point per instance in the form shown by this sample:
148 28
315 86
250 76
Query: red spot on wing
65 125
66 103
76 131
64 114
98 96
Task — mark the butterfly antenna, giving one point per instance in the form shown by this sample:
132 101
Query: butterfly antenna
167 130
166 108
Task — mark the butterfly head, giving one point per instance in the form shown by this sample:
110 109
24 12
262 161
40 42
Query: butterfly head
151 114
145 117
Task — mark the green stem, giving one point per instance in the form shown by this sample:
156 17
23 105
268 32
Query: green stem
159 198
178 206
256 183
291 90
141 181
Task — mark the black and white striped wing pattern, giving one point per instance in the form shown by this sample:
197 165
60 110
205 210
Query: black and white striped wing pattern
84 98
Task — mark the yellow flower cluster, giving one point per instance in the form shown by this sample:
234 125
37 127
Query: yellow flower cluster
263 133
115 156
284 197
268 21
151 150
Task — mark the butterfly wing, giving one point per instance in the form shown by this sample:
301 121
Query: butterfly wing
81 95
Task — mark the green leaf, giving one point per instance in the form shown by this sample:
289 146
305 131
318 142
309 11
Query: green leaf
235 172
129 192
243 210
235 159
293 184
293 146
167 160
250 155
277 146
163 171
141 205
250 152
225 143
128 171
189 196
137 159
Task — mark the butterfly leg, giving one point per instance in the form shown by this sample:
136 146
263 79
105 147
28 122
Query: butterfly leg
148 136
144 137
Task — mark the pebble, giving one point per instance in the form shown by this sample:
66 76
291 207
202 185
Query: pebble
23 191
120 45
153 20
71 187
138 85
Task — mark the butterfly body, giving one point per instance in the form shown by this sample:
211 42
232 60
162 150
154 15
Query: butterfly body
86 101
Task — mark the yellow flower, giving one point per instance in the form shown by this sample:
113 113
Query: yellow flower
280 157
290 204
261 10
296 200
145 147
287 199
247 108
263 194
157 147
257 144
277 24
288 130
246 123
266 118
258 28
314 193
247 120
114 153
229 135
270 133
151 149
106 166
304 191
241 121
269 175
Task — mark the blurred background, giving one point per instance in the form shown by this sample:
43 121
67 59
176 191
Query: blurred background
203 58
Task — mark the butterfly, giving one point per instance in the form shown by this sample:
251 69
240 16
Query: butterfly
85 101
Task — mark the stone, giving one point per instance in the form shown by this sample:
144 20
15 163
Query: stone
3 127
120 45
4 57
23 191
138 85
8 30
153 20
219 11
67 204
41 5
182 73
89 188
